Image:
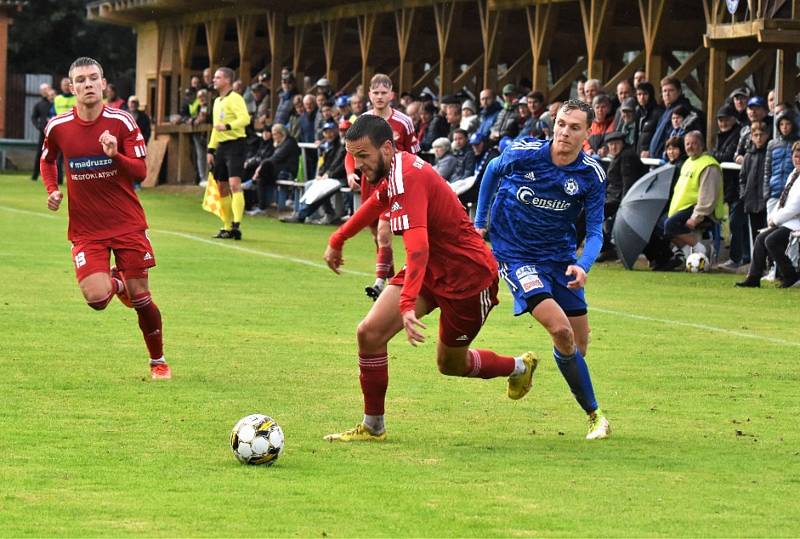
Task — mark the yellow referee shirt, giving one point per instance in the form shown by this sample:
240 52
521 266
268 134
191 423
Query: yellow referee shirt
232 112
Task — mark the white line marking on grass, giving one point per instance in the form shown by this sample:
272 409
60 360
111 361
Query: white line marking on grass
219 243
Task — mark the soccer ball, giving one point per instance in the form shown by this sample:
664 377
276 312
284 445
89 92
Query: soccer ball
697 263
257 439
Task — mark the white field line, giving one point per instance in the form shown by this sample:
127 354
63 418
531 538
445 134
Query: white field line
266 254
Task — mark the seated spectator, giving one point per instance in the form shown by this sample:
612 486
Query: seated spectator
281 165
648 114
751 179
507 115
462 152
525 122
627 123
624 170
141 117
547 118
725 151
469 117
696 201
326 115
490 108
405 100
659 249
331 167
356 106
343 111
778 162
445 162
756 112
738 100
671 93
781 222
483 154
602 124
258 152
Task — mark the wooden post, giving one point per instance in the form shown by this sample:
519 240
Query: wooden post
490 24
652 13
187 38
596 16
717 67
542 19
275 24
444 16
404 20
245 34
330 34
215 33
161 90
366 30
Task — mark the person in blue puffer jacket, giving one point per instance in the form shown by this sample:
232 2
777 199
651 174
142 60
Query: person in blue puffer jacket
778 162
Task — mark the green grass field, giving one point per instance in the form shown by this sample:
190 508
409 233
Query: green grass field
700 382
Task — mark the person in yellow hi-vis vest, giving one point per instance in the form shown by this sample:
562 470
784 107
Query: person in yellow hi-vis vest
226 151
697 199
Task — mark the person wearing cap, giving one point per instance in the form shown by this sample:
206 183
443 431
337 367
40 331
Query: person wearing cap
324 87
331 167
343 108
624 170
738 100
470 121
490 108
484 152
287 92
626 123
756 112
725 151
507 115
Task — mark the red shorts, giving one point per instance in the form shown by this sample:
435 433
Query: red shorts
367 190
133 255
460 320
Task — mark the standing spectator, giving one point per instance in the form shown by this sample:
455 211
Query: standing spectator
738 99
453 116
697 199
671 94
490 108
293 127
357 106
591 89
580 90
724 151
751 179
624 170
778 162
507 115
324 88
343 107
462 152
141 117
639 77
436 128
64 101
226 151
624 91
261 103
648 113
39 117
782 221
602 124
113 99
281 165
445 162
756 112
525 122
470 122
285 99
627 124
202 118
484 153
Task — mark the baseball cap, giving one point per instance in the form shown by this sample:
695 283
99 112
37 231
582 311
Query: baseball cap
726 111
323 82
628 104
742 90
522 101
613 135
328 125
756 101
342 101
476 138
509 89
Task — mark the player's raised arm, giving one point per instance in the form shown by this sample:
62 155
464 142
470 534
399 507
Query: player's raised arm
491 178
364 215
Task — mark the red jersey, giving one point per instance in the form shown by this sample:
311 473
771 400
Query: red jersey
102 202
437 233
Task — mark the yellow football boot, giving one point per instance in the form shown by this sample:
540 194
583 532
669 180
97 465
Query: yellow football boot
518 386
360 433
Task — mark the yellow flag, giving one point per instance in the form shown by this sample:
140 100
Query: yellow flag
211 201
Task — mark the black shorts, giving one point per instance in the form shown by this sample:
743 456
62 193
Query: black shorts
229 160
676 225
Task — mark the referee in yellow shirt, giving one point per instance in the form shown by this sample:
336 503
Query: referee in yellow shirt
226 151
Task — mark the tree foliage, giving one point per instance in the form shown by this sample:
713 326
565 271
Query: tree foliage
47 35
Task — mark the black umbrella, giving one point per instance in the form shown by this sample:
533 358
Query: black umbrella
639 212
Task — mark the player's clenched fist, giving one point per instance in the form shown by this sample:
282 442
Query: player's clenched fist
109 143
54 200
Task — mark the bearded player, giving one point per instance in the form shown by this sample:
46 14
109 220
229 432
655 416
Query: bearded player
405 140
447 266
104 153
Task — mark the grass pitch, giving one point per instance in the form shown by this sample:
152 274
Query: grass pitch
698 379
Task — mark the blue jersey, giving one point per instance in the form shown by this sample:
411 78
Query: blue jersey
537 203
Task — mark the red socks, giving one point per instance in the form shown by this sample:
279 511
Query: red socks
487 364
384 267
149 323
374 381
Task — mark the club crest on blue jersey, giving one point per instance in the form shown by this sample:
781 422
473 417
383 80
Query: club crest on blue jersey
571 187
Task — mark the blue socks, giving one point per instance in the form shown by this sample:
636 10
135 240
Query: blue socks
575 371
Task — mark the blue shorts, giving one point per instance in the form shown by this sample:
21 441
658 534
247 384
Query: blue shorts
531 283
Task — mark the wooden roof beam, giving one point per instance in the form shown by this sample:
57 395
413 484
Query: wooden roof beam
626 73
542 20
404 22
596 16
357 9
758 58
566 80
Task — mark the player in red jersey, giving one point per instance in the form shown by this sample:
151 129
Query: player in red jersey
405 140
447 266
104 153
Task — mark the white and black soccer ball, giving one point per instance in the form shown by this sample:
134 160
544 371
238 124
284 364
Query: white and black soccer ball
697 263
257 439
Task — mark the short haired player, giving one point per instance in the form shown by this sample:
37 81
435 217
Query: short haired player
105 154
447 266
